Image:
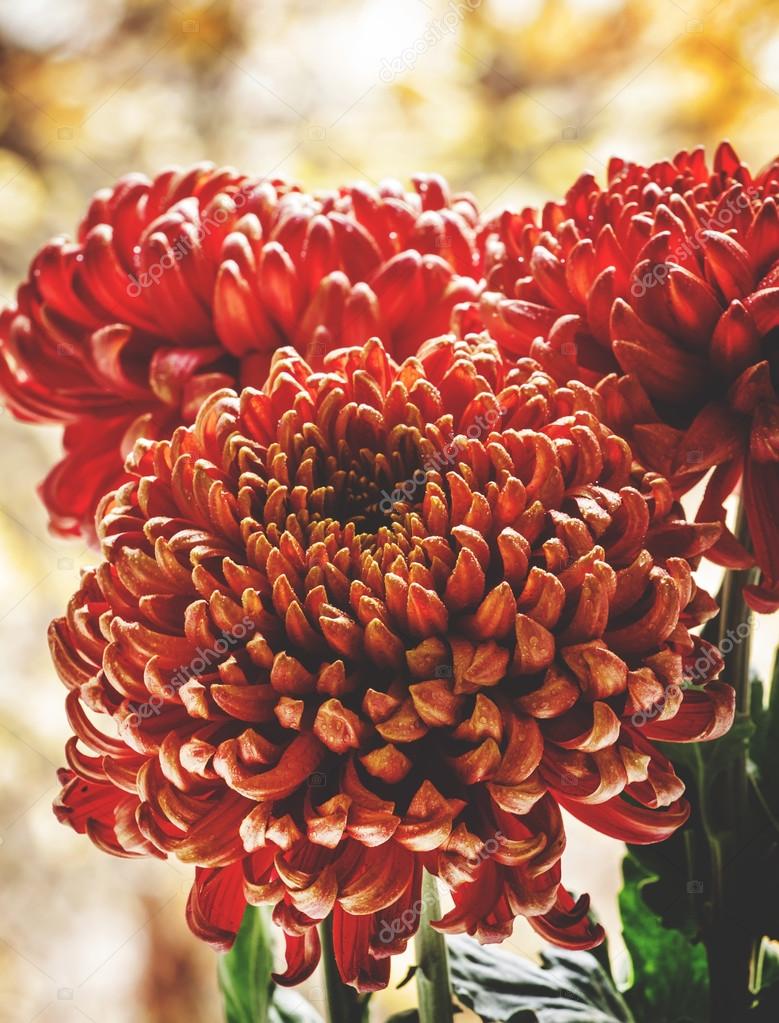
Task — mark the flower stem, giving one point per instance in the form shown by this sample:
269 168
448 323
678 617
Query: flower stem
433 988
756 963
344 1005
735 641
733 954
735 613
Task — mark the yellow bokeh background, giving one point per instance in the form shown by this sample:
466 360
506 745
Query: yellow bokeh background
510 99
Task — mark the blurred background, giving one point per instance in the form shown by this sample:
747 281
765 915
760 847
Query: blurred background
510 99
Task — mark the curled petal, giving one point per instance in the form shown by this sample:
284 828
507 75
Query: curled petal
568 924
702 715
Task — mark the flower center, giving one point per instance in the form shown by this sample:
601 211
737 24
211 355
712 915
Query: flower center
372 488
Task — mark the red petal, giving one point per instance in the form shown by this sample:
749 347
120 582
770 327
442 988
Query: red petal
216 904
668 374
715 436
761 500
302 953
727 551
628 822
352 937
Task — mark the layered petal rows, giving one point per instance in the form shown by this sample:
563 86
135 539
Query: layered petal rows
670 274
386 613
186 283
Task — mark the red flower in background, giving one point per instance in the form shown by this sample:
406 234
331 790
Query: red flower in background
671 274
380 618
187 283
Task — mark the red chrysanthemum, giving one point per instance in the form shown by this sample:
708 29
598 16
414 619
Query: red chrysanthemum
671 274
187 283
378 618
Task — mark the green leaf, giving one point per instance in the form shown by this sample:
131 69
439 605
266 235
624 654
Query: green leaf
675 867
706 761
764 749
763 772
289 1007
245 971
570 988
710 861
670 974
249 994
770 965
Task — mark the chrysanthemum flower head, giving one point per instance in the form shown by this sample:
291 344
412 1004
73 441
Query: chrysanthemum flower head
186 283
670 273
381 617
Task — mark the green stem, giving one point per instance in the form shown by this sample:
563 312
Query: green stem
735 612
733 954
756 966
432 976
344 1005
735 641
